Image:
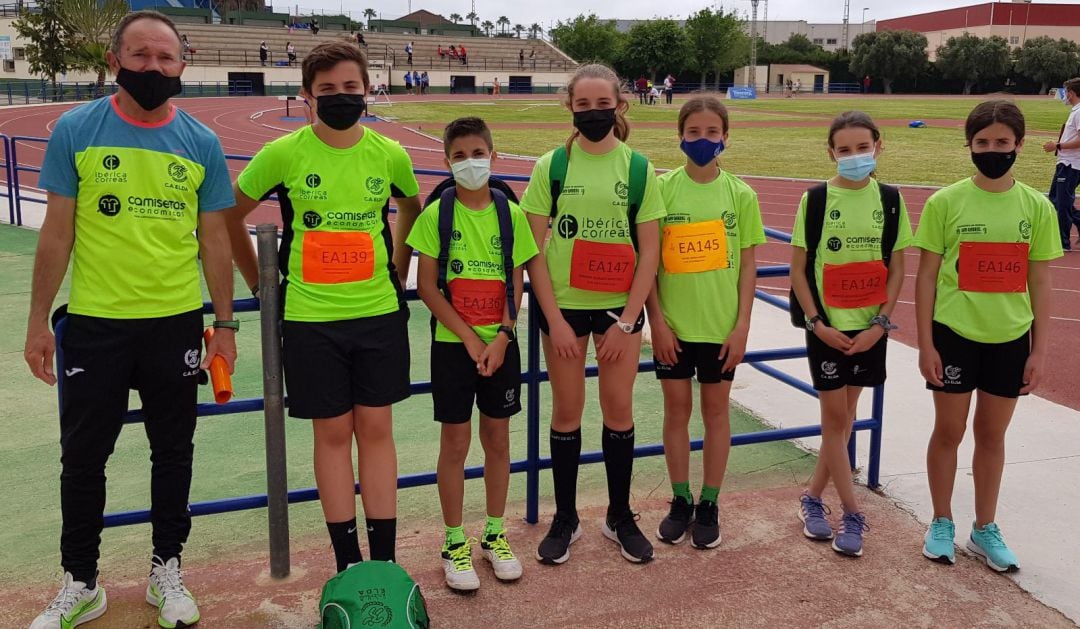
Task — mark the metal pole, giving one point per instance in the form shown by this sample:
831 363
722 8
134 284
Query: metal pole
532 417
873 470
277 487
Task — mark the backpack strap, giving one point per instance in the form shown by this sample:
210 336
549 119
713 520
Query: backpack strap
506 236
639 177
813 223
557 175
890 204
446 232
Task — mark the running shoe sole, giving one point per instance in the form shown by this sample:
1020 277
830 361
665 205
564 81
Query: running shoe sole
712 544
461 586
560 560
156 602
943 559
810 535
973 547
844 552
673 542
504 576
610 534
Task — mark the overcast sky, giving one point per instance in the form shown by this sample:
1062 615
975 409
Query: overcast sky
550 11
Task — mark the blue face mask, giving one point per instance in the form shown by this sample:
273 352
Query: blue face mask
702 151
856 167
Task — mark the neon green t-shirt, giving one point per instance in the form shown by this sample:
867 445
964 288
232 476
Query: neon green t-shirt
475 272
964 212
854 221
337 248
591 225
703 306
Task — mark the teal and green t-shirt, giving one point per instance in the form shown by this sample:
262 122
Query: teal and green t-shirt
965 213
589 254
475 273
337 248
854 221
138 189
702 306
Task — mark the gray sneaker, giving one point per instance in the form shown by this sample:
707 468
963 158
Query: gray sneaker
849 540
812 512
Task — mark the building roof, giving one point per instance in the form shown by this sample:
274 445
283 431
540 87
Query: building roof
985 14
800 67
424 18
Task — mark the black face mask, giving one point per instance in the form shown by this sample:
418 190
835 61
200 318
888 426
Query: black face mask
340 111
150 89
595 124
994 165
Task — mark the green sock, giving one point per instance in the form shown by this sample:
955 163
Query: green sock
455 535
683 489
493 526
709 494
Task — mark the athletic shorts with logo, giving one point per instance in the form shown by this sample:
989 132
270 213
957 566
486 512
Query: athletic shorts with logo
455 384
586 322
831 369
966 365
330 366
702 358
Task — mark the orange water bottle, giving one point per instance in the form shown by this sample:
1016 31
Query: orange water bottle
220 379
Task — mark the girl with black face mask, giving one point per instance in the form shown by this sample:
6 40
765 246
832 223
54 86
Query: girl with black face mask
982 303
600 264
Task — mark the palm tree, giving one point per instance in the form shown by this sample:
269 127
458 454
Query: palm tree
472 17
91 24
503 22
370 15
518 28
487 26
455 18
535 30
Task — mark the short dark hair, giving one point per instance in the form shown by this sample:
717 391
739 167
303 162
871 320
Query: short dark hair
987 113
1073 85
464 127
850 119
134 16
325 56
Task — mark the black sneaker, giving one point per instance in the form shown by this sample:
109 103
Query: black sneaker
555 547
706 526
672 529
624 531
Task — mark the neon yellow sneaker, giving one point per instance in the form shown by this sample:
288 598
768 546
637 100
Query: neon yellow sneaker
458 566
73 605
496 549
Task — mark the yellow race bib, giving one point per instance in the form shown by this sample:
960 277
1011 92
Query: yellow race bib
695 247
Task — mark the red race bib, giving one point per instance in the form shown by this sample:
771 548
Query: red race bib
856 284
602 266
993 267
479 302
338 257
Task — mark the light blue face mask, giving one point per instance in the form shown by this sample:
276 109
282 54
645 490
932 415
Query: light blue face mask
856 167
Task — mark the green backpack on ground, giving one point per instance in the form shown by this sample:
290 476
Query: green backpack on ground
373 594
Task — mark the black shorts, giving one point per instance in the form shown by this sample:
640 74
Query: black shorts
585 322
332 365
455 383
997 368
831 369
700 357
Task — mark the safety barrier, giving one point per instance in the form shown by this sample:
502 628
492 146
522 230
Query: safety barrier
273 403
28 92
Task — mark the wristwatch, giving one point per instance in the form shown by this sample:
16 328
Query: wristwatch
508 331
885 323
230 324
812 322
625 327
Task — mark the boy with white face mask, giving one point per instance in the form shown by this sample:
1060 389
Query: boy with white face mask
462 278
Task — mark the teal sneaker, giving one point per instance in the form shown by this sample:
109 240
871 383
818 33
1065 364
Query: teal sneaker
988 544
939 544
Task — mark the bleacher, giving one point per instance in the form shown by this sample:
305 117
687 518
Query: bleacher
219 44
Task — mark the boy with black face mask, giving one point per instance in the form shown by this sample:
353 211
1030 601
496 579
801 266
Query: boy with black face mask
346 346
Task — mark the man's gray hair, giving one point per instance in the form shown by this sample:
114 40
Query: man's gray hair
118 35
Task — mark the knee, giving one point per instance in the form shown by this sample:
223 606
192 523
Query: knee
716 420
496 442
948 438
988 438
375 430
677 412
455 445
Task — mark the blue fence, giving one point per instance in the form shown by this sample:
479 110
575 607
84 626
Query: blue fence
28 92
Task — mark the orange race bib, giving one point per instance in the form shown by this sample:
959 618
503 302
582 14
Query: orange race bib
993 267
479 302
602 266
695 247
855 284
337 257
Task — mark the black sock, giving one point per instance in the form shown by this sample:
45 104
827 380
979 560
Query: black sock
382 537
346 543
619 465
89 580
565 458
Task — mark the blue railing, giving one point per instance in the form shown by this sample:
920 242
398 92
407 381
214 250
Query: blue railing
27 92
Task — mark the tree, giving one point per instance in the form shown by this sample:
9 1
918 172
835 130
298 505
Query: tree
655 44
588 38
1045 60
455 17
889 55
973 59
487 26
535 30
518 28
91 23
503 23
46 52
797 49
472 17
717 42
370 15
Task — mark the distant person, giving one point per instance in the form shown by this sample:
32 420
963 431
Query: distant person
495 86
360 40
798 87
669 87
641 86
453 52
314 26
408 51
521 58
464 55
442 53
789 87
186 44
866 84
453 80
532 58
264 53
654 95
290 50
1067 172
408 82
424 82
416 81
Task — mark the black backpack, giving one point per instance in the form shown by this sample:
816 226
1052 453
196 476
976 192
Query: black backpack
814 220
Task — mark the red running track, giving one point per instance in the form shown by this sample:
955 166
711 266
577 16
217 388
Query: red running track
243 131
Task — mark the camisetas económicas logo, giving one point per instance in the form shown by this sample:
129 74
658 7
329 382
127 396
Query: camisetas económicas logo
456 266
111 162
109 205
312 219
1025 229
567 226
375 185
178 172
621 190
834 244
313 180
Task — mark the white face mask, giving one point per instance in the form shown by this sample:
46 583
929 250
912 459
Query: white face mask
472 174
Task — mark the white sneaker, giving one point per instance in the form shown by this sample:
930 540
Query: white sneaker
74 605
166 591
458 567
497 551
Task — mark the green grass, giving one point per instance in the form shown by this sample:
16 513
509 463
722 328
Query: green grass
549 111
230 461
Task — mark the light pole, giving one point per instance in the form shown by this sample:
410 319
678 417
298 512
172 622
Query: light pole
865 9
